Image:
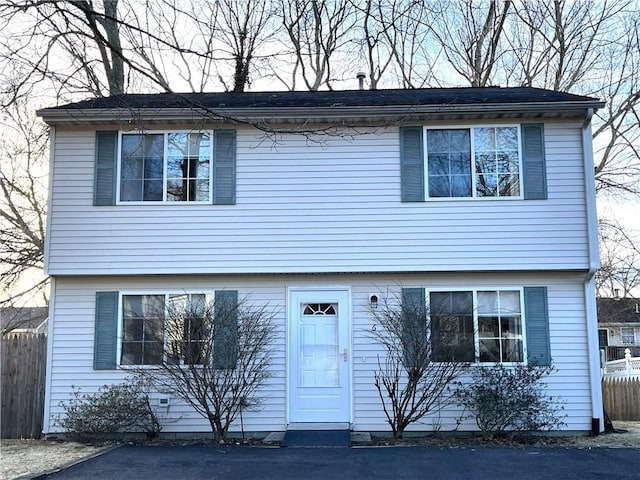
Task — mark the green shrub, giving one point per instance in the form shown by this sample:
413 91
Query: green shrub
119 408
505 399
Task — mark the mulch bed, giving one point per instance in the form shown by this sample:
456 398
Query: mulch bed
470 440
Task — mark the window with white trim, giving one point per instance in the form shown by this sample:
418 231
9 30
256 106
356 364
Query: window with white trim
483 326
473 162
163 328
165 167
628 335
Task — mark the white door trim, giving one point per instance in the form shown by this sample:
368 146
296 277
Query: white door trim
334 293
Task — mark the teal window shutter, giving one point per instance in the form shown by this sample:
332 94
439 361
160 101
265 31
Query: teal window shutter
537 324
411 164
106 331
104 189
534 170
225 329
224 167
414 317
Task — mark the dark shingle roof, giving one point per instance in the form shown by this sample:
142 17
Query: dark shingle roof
346 107
324 99
22 318
618 310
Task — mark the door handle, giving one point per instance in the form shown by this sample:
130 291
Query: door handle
344 354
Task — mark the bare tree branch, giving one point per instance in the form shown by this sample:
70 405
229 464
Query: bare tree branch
471 37
619 274
317 29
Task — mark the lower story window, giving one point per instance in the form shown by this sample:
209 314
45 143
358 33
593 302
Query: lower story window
161 328
628 335
142 329
603 338
477 326
187 330
452 326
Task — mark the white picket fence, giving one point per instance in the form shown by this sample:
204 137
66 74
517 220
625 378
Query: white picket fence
628 367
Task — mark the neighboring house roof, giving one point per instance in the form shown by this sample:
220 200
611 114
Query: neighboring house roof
360 105
618 310
20 319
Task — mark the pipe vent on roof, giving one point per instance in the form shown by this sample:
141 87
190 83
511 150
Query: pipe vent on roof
360 76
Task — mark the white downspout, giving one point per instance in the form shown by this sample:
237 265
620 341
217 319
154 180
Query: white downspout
593 347
46 423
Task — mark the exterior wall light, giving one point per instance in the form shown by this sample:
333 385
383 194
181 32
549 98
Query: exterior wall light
373 301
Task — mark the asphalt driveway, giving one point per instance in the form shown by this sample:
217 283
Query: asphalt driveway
442 463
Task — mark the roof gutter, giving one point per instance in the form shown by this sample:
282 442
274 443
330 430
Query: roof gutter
593 348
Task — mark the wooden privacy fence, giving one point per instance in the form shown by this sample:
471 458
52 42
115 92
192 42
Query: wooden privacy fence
24 361
621 398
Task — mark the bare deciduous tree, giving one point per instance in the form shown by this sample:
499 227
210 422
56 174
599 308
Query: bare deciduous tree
591 48
411 379
376 30
616 134
242 30
317 30
72 45
557 44
414 53
218 358
23 190
619 274
471 36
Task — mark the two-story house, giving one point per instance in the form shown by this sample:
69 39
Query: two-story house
480 199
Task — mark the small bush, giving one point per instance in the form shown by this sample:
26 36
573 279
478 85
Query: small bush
509 399
119 408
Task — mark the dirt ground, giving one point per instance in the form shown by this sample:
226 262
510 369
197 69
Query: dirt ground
19 458
28 457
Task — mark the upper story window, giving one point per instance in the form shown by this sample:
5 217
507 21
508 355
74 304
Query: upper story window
473 162
492 161
165 167
171 167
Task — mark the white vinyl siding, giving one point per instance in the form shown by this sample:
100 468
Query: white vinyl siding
71 353
73 336
328 206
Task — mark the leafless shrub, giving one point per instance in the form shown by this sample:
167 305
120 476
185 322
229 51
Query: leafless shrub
409 380
217 358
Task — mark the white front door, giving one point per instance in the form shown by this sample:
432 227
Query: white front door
319 355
